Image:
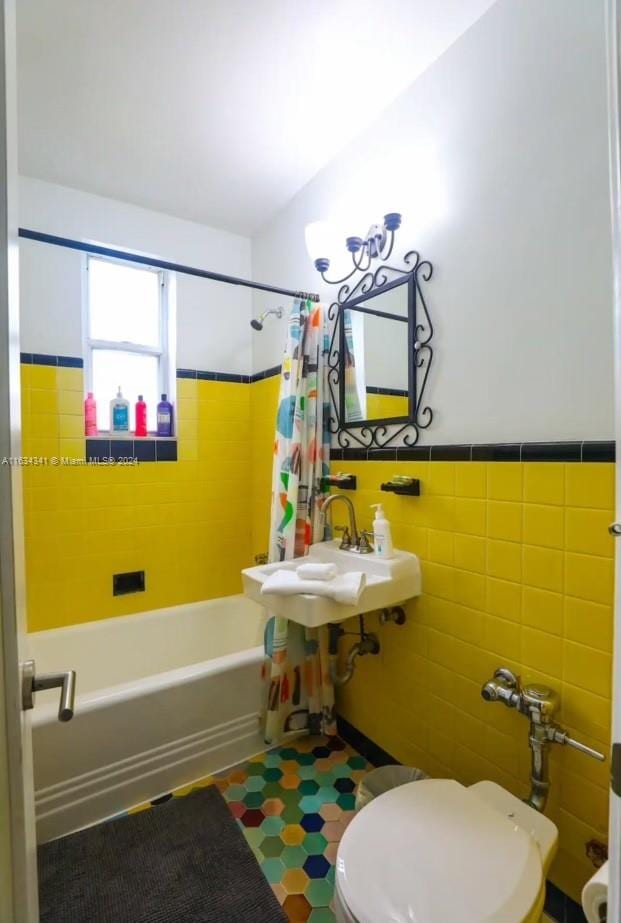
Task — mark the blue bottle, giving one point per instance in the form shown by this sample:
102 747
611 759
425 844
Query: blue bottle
164 417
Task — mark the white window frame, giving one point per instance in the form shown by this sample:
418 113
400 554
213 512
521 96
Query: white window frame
164 351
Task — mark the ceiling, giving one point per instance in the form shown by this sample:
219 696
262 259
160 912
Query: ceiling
217 111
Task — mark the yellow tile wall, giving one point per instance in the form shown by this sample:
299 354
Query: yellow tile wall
184 522
517 571
263 406
386 405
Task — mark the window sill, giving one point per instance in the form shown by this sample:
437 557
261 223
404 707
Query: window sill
150 437
142 448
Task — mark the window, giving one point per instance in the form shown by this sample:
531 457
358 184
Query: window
127 323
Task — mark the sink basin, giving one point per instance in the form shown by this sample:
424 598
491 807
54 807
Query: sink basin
388 583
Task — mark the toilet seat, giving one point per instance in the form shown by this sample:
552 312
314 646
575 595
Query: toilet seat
432 851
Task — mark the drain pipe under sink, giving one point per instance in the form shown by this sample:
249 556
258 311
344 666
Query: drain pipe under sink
368 644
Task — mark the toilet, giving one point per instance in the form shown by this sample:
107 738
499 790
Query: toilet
434 851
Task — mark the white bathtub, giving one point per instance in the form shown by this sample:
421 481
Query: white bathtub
163 698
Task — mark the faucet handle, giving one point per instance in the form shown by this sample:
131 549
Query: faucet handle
559 736
365 545
346 540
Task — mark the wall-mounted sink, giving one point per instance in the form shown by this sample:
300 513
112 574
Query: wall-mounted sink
387 584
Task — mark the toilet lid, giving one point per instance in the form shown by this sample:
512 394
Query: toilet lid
432 851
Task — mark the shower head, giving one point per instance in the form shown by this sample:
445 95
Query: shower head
257 322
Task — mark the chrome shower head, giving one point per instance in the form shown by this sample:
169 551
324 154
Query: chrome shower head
257 322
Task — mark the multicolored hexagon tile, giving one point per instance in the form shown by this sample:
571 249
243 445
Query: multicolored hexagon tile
293 804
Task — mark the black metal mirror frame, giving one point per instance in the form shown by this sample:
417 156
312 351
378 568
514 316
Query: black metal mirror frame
360 304
389 431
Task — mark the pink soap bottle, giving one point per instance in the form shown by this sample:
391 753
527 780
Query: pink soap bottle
141 416
90 415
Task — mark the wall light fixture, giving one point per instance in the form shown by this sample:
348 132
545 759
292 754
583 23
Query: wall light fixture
377 244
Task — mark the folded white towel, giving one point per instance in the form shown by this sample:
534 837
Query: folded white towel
317 571
346 588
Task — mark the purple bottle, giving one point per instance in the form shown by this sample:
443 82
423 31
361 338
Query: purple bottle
164 417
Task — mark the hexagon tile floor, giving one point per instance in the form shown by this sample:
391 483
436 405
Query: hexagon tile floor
293 804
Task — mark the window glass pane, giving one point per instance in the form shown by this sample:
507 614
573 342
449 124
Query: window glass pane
135 373
124 303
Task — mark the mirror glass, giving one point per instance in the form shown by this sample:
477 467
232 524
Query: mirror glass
376 356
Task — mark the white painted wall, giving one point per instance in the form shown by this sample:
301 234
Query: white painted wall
213 329
497 158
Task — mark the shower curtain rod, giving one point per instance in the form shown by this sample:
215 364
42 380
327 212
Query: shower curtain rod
98 250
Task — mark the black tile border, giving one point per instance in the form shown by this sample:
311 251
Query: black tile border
266 373
558 905
596 451
146 449
552 451
229 376
165 451
97 449
414 453
391 392
75 362
121 448
451 453
363 744
502 451
68 362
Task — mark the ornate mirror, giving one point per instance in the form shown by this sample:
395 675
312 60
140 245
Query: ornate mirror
380 356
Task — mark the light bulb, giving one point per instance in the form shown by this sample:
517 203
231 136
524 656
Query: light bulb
319 240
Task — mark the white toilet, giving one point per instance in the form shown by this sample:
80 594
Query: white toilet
435 851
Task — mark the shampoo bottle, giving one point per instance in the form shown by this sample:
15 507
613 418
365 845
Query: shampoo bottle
90 415
119 414
164 417
141 416
382 537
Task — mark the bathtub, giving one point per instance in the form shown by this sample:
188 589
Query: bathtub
163 698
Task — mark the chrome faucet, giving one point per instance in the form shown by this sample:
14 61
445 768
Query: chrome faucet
352 539
539 704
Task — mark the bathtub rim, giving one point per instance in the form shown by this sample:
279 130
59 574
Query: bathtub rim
46 712
95 625
122 692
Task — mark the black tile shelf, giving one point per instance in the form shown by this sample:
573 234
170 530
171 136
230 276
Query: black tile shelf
145 449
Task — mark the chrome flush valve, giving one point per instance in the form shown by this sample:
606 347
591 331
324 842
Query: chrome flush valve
539 704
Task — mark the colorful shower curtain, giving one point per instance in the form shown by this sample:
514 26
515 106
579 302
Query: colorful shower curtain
300 694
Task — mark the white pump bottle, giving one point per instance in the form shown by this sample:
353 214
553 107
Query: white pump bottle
382 537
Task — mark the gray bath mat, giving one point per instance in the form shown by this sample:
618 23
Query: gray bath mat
185 861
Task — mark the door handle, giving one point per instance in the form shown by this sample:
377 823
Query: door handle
32 683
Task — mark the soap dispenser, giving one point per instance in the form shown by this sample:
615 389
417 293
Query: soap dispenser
382 537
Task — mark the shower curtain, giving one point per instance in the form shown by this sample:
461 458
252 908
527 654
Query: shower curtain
300 694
